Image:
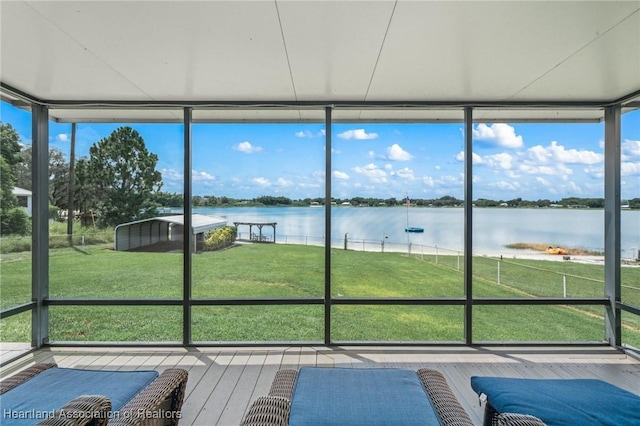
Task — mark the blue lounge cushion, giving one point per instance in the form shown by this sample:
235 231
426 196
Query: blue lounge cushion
35 399
354 396
561 401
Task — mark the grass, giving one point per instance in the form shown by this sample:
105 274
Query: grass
296 271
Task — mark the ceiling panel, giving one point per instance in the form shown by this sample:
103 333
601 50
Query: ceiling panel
41 60
333 46
321 52
491 50
605 69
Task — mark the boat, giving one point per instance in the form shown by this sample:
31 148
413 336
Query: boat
413 229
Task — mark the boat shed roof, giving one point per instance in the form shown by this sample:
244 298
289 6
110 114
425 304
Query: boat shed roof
199 222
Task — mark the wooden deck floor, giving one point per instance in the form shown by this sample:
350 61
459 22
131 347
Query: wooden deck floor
224 381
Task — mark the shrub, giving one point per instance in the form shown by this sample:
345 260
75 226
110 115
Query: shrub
15 221
220 238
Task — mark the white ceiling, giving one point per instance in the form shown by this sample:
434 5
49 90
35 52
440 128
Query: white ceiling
443 54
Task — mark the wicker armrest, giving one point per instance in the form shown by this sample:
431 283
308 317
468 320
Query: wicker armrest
283 384
493 418
445 403
24 375
85 410
158 403
268 411
514 419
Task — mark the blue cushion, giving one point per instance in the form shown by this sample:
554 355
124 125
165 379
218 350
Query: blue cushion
354 396
38 397
561 401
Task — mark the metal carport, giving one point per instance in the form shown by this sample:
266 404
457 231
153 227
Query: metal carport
147 232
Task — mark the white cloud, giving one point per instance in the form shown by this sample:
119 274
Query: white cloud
171 175
372 172
340 175
543 182
557 170
595 171
283 182
261 181
476 158
499 134
631 148
502 160
405 173
629 168
572 187
247 148
62 137
559 153
505 186
429 181
358 134
202 176
307 134
396 153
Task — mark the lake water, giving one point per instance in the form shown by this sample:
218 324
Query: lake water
443 227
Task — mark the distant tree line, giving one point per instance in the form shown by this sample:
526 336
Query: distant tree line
176 200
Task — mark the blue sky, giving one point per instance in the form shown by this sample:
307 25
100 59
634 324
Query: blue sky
532 161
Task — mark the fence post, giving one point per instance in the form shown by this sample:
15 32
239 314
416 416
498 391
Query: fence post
498 272
564 286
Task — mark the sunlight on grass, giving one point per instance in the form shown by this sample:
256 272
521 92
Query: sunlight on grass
295 271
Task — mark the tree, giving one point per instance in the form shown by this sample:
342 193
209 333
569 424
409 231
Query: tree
13 220
58 175
122 176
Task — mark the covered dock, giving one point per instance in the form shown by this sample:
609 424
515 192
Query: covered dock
259 237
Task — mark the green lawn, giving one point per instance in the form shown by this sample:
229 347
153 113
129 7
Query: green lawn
296 271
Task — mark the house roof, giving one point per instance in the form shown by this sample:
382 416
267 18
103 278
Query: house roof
285 60
21 192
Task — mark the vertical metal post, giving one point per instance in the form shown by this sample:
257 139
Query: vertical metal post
327 228
468 225
71 189
40 225
612 282
187 253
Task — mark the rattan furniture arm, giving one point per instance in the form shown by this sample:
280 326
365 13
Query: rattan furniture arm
493 418
22 376
444 402
283 384
268 411
160 403
85 410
